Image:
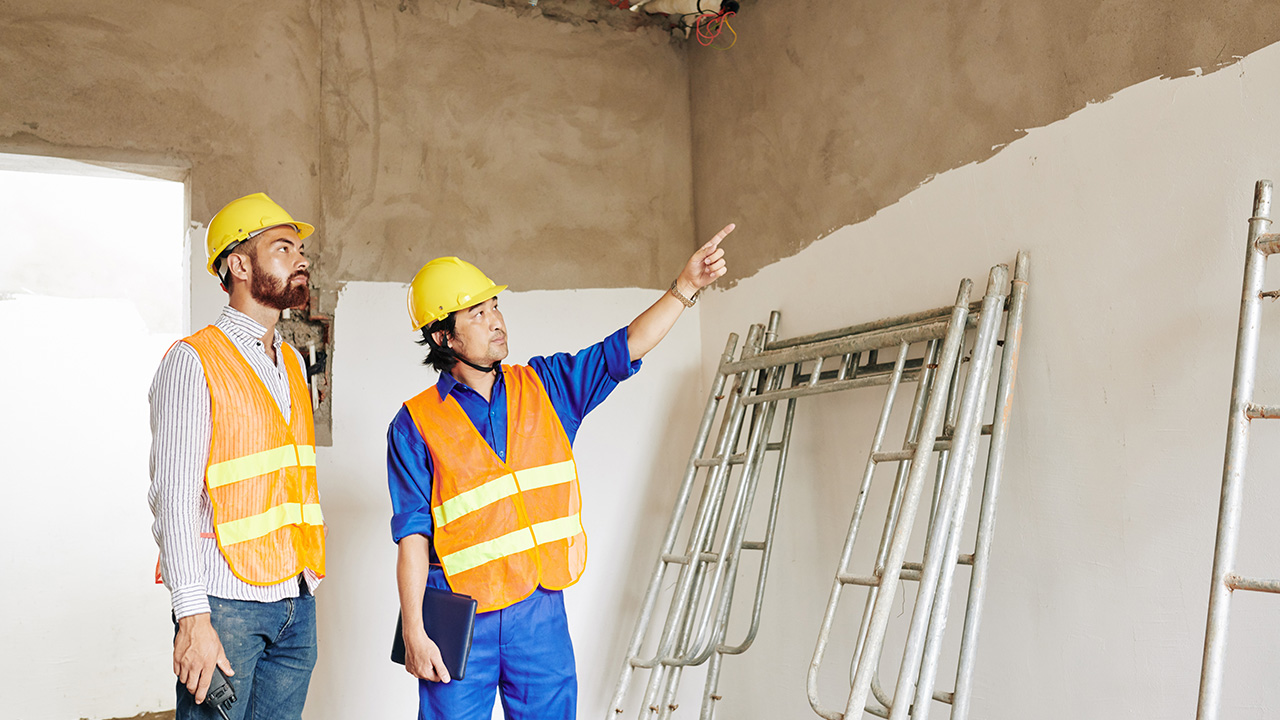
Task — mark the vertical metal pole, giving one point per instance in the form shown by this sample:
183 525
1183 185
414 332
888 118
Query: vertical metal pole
710 692
1224 554
923 389
991 489
688 583
948 430
962 448
735 527
718 600
673 527
968 430
902 535
837 586
710 633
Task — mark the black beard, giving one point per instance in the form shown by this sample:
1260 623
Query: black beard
278 294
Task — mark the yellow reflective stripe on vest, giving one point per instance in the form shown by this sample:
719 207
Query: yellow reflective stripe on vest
261 463
503 487
546 475
512 543
488 551
255 526
558 529
473 499
307 455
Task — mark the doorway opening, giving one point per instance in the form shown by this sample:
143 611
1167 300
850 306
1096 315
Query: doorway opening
93 290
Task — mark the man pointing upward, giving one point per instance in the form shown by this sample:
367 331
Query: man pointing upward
484 487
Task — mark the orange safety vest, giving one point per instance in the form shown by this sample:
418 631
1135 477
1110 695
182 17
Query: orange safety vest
503 528
261 475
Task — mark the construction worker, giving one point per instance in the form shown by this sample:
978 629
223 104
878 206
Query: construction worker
233 478
484 488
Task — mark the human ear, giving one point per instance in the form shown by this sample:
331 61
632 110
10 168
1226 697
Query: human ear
238 264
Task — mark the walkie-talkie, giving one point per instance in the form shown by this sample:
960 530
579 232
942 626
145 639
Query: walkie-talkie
220 694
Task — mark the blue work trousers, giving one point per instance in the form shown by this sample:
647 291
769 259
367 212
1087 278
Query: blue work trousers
272 649
523 653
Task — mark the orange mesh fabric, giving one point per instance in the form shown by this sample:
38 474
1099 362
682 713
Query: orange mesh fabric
259 514
497 539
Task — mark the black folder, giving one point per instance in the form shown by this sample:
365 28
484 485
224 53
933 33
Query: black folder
449 619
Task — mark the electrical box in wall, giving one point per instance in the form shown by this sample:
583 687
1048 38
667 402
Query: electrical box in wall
312 335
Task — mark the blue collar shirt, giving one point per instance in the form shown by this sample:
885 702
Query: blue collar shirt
575 383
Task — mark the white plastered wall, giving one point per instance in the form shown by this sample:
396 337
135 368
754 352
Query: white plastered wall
630 451
1134 211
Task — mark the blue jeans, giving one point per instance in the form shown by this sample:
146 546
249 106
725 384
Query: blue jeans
272 649
523 654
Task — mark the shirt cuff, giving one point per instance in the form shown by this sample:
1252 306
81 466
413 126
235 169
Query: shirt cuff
617 357
190 600
414 522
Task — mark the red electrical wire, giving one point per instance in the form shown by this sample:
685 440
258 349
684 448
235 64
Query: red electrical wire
707 28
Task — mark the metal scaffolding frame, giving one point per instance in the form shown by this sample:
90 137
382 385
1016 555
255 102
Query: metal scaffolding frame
1243 410
947 423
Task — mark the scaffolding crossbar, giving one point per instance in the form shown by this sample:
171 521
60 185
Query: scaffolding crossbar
723 474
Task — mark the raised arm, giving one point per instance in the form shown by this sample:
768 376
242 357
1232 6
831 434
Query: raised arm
647 330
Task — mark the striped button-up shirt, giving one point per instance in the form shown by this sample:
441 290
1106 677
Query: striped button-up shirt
191 564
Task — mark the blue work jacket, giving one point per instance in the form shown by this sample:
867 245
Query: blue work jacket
575 383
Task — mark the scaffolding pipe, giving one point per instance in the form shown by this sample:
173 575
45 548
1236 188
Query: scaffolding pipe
930 620
880 611
1246 365
995 470
673 527
941 421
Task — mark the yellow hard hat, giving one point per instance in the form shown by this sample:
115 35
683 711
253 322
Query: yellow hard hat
243 217
445 285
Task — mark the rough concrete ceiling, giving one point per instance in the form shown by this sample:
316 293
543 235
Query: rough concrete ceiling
579 12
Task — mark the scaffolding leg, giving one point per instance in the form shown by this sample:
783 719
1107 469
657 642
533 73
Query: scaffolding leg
887 581
991 488
1243 410
940 564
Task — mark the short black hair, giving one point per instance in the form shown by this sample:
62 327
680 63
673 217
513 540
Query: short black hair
440 357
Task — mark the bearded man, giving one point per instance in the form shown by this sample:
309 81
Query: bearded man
233 482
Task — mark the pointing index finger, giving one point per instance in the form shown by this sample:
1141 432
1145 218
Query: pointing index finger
713 242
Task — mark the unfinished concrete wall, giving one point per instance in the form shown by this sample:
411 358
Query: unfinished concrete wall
552 155
231 89
407 129
1135 212
826 112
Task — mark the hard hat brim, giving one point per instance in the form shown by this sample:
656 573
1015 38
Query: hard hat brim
304 231
475 300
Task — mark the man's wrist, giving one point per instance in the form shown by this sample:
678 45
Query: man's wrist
189 621
684 291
